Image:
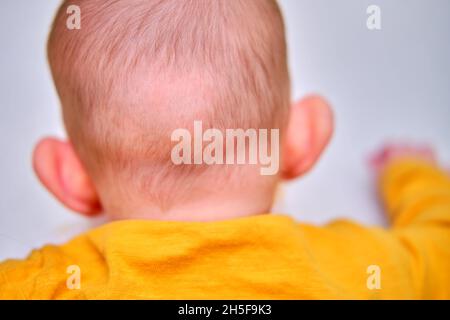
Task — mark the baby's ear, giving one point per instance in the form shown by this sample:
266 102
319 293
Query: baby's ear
310 128
59 169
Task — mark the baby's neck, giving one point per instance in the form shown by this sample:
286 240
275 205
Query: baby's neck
207 209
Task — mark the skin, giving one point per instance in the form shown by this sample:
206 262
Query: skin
392 152
131 194
309 131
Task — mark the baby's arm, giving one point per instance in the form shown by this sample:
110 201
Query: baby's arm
416 194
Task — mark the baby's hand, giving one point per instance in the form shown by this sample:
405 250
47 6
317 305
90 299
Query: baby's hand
391 152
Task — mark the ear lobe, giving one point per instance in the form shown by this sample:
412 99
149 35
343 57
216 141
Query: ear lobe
310 128
61 172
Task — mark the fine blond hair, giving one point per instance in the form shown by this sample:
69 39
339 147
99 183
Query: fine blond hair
138 69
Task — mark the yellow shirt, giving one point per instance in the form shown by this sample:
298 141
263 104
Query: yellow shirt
262 257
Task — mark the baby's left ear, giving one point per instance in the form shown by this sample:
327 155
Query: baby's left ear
309 131
59 169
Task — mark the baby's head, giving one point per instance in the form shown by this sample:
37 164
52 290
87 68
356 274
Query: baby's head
137 71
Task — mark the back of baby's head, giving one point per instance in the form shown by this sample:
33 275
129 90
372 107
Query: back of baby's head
137 70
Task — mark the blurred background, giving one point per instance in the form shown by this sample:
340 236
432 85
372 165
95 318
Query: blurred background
391 84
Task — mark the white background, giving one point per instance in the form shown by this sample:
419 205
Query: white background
384 85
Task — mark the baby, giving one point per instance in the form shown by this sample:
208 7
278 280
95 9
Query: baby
138 71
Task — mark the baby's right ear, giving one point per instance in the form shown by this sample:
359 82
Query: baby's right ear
59 169
310 129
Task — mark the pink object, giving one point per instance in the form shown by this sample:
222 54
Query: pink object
391 152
